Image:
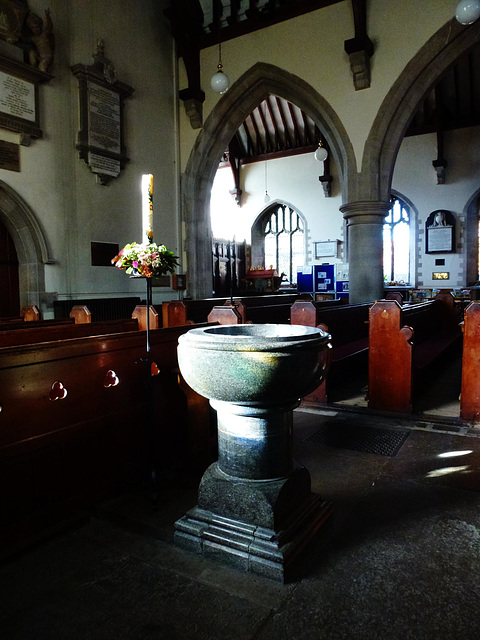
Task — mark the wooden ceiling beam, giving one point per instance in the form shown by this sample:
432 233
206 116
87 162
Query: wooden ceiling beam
288 144
269 146
259 147
273 13
296 134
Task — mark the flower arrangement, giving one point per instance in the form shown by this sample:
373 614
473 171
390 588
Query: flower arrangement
147 259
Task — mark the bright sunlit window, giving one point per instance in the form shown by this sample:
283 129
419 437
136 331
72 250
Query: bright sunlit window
147 207
396 243
225 215
284 241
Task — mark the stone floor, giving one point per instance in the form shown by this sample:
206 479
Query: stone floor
400 558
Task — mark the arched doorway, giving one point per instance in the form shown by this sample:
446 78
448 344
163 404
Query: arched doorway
30 245
9 288
244 95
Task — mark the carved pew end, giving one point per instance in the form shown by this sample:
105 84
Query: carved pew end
81 314
30 313
140 313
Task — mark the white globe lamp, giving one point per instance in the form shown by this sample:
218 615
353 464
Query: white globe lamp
467 11
321 154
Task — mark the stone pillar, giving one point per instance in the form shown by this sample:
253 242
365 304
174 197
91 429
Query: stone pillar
365 249
198 240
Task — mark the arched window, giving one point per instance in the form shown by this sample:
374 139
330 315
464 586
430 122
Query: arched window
283 240
396 242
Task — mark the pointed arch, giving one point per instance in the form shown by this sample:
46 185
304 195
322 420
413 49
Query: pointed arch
226 117
258 235
30 243
401 102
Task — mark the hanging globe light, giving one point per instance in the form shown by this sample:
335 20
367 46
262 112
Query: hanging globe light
467 11
321 154
220 81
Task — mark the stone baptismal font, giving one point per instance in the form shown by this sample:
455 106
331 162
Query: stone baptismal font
255 508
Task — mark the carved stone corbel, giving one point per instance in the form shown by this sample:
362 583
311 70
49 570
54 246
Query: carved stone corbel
326 182
327 179
193 108
440 165
360 67
360 48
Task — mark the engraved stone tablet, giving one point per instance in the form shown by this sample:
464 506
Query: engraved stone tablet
9 156
100 138
17 97
104 118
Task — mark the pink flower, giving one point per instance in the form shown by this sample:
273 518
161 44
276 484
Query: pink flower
135 264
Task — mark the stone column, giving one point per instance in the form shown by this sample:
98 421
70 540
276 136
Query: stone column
365 249
198 237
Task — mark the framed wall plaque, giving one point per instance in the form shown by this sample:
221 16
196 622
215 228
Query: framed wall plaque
19 109
101 100
440 232
327 248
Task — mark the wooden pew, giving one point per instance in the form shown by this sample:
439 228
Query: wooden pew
14 325
29 313
102 309
12 320
470 391
50 330
258 309
348 326
75 426
405 343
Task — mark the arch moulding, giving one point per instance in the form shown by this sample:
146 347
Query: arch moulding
30 243
226 117
401 102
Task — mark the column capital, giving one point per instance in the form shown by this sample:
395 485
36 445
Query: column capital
365 212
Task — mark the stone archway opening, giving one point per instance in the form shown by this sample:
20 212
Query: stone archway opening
244 95
30 245
9 286
369 197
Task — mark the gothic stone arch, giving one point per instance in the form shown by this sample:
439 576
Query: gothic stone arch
30 244
369 197
401 102
229 113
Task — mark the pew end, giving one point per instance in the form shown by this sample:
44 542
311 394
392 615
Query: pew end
470 389
140 314
406 343
225 315
81 314
30 313
174 314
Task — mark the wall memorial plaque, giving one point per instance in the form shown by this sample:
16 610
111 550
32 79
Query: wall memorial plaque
327 248
100 138
440 232
19 97
9 156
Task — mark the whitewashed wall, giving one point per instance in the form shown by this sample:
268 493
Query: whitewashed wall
415 179
292 180
71 207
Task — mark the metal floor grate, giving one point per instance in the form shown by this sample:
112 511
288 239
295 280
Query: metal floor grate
358 437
